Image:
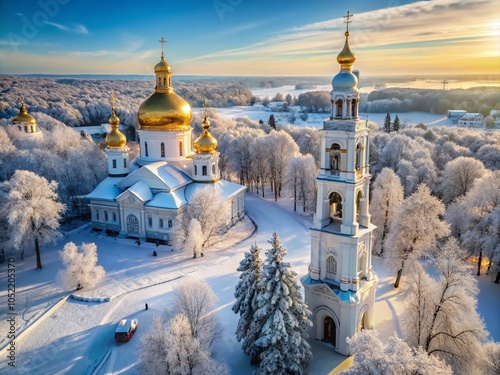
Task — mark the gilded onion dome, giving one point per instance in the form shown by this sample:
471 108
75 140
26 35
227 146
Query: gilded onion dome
346 57
115 138
24 118
164 110
206 142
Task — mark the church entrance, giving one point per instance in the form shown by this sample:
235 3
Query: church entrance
132 224
329 331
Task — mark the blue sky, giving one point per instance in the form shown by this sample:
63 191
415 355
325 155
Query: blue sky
243 37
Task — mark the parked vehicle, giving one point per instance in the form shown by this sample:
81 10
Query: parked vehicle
125 329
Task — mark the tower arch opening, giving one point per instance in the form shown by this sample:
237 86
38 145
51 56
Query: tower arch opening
329 331
358 156
335 207
335 159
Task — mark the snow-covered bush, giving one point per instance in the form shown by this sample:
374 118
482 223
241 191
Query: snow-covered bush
80 266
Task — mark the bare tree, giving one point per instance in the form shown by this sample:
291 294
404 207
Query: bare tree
300 179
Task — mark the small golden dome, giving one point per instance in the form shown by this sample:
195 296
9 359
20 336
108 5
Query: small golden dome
162 66
24 117
115 138
165 111
346 57
206 143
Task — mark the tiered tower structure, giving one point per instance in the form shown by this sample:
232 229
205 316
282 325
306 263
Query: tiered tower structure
165 120
340 284
117 149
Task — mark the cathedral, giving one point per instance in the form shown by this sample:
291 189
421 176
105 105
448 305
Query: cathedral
143 198
340 284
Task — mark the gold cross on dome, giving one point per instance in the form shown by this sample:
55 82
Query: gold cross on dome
205 105
162 41
347 20
112 99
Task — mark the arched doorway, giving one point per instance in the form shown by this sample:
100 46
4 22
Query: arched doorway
132 224
329 331
362 324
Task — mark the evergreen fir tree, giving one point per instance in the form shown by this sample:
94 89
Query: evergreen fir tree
246 300
396 125
283 315
387 123
272 122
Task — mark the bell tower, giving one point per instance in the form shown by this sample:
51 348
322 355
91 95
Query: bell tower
340 284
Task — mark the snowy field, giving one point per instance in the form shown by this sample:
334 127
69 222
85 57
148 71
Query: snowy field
259 112
78 336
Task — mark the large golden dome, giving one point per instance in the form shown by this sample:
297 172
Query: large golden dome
206 142
346 57
165 111
24 117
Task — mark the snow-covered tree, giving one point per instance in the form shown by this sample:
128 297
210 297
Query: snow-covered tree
196 300
387 198
283 316
440 313
492 358
283 148
300 178
80 266
260 162
459 176
194 239
246 293
387 123
397 124
173 349
416 227
210 210
373 357
33 210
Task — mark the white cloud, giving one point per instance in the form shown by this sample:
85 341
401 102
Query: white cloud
76 28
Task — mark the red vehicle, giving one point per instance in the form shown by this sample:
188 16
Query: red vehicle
125 329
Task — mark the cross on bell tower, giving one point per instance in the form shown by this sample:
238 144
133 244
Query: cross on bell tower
162 41
347 20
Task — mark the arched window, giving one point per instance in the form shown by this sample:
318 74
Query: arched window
359 156
335 207
161 223
196 170
338 106
362 262
213 168
335 159
358 200
181 153
162 149
331 267
164 81
146 153
353 107
204 170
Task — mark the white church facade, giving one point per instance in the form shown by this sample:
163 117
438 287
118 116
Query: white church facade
340 285
143 198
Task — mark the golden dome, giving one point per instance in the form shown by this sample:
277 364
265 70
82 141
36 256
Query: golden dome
24 117
162 66
346 57
206 142
115 138
165 111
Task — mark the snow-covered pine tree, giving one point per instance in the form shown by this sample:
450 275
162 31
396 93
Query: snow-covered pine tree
246 293
397 124
284 317
387 123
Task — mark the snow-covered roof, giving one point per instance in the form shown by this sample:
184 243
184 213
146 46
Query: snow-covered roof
225 188
161 176
173 199
106 190
141 190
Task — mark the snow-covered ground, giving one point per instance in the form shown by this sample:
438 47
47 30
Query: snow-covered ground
78 335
